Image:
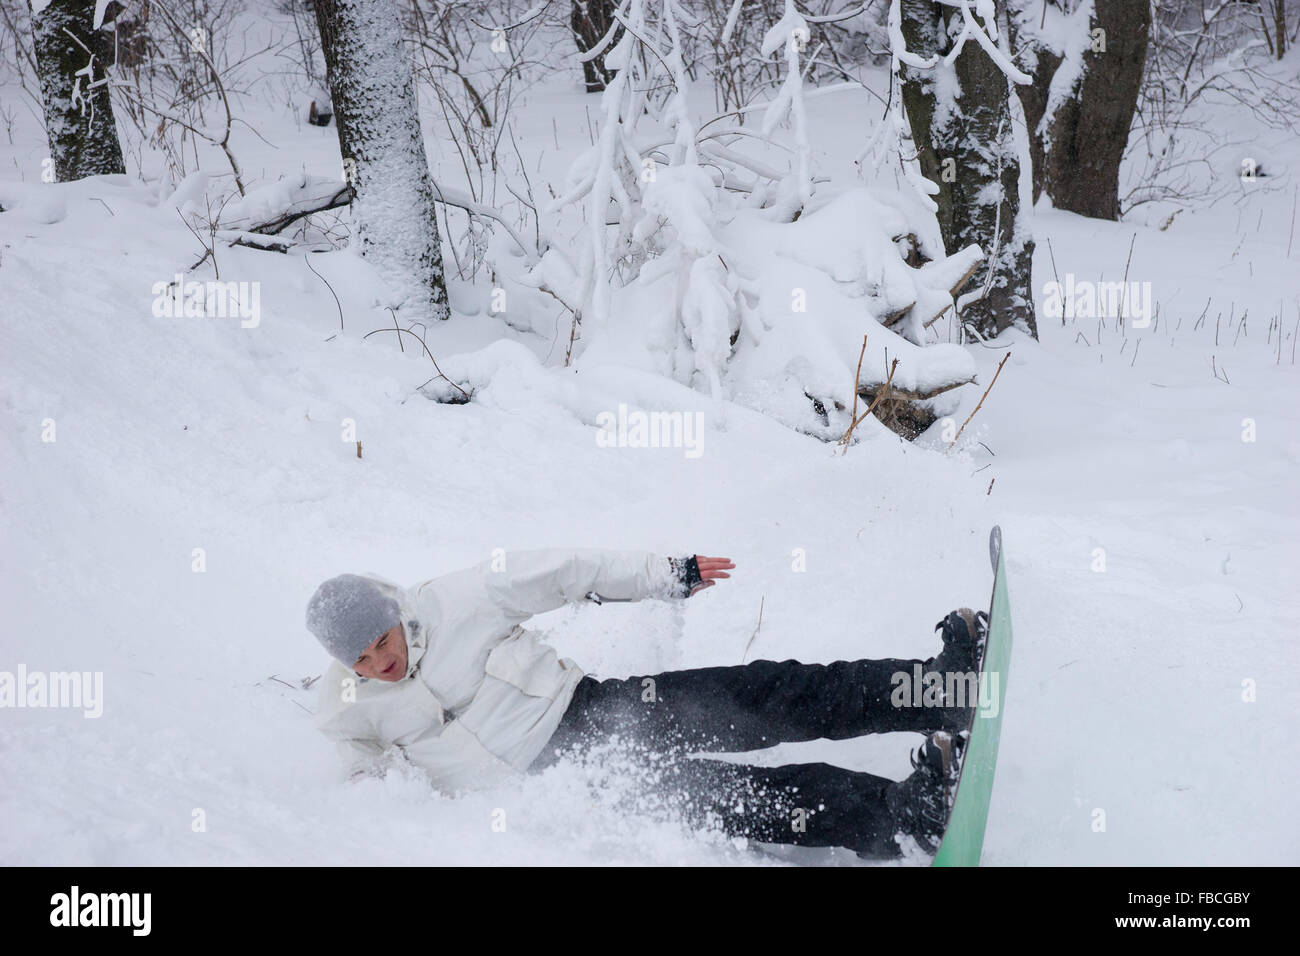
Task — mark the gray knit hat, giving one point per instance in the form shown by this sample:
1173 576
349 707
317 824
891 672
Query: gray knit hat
349 613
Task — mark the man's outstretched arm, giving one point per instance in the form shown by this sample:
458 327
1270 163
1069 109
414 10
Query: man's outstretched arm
531 582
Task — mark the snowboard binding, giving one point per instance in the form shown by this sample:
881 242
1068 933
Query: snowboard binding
923 802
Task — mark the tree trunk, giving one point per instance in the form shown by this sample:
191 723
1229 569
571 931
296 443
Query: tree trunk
71 59
1279 26
591 20
961 125
393 211
1078 130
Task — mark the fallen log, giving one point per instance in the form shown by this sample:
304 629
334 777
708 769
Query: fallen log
900 409
868 390
272 208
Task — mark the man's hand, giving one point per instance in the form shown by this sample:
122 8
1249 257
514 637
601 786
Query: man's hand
711 570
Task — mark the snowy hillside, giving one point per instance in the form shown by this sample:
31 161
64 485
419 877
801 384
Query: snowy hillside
173 489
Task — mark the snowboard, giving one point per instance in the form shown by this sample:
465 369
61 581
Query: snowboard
964 837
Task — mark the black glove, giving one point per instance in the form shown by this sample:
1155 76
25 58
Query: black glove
688 573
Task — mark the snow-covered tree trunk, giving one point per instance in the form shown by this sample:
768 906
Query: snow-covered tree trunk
956 98
71 58
590 21
1086 57
393 211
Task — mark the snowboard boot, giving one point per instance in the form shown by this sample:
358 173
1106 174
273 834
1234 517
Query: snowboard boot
921 803
964 632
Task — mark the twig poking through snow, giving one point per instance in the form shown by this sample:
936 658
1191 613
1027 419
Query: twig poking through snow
857 377
1123 309
884 390
977 407
1293 334
756 627
440 374
210 249
1291 235
328 286
400 343
1054 275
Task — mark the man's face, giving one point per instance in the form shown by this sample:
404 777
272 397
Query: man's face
385 659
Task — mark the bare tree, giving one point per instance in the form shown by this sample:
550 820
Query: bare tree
72 54
591 20
961 126
383 148
1087 72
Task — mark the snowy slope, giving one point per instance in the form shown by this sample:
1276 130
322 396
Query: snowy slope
175 434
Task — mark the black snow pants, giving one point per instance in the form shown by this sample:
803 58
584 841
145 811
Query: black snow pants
668 716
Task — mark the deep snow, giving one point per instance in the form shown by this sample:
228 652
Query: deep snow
1126 690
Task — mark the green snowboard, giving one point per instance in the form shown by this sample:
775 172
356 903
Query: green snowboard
964 838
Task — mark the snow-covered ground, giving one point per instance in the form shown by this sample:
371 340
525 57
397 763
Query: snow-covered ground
1173 449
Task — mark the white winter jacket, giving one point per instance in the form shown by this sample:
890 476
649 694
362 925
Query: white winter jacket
481 695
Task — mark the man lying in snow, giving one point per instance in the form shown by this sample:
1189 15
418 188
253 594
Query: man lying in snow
445 672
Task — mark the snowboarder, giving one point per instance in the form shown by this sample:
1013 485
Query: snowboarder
446 674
